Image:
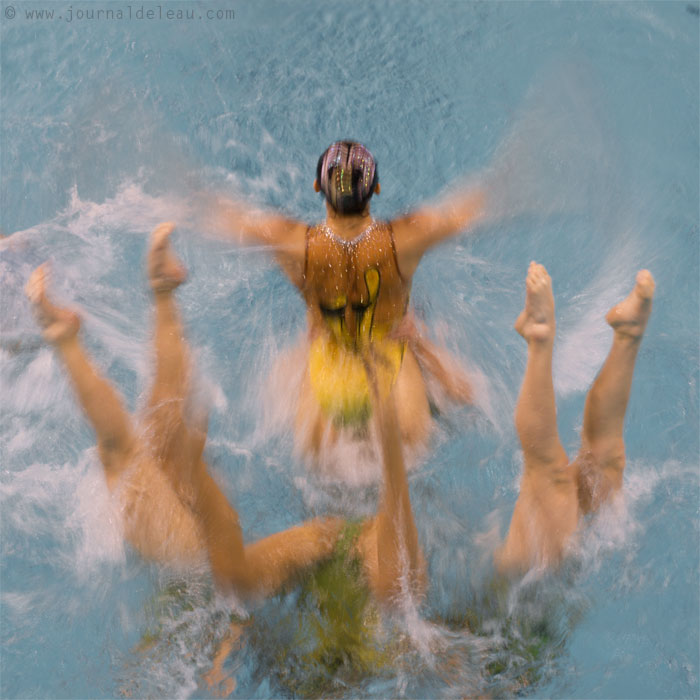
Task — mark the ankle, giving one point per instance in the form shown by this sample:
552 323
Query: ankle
541 341
162 291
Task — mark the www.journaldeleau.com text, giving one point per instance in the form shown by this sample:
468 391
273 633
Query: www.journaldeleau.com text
128 12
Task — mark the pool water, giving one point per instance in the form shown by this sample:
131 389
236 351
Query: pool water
582 116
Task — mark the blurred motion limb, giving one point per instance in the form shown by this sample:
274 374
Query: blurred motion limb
435 361
389 543
237 221
220 683
418 231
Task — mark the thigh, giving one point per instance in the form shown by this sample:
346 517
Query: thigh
156 521
312 425
162 425
598 476
411 401
544 519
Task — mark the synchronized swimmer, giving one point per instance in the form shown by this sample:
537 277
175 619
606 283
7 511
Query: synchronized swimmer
355 275
176 514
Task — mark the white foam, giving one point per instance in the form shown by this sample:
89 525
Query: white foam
97 519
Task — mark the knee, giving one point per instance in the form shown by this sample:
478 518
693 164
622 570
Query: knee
609 457
599 476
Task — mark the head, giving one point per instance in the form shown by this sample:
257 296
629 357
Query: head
347 175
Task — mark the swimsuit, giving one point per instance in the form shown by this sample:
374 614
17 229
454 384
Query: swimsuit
356 296
338 636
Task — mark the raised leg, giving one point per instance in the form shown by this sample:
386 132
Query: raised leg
389 542
262 567
174 443
601 461
546 512
100 402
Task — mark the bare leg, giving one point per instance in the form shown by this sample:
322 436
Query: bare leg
389 543
173 444
411 403
155 521
100 402
601 461
264 566
546 512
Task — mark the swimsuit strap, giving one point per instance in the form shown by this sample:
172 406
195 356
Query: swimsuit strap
393 250
306 250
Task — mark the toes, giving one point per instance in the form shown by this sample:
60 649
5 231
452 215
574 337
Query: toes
160 235
537 277
163 230
645 284
36 284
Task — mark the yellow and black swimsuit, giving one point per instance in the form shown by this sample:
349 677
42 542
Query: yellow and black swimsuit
356 296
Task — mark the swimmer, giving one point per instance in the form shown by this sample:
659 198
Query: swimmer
355 274
554 492
174 511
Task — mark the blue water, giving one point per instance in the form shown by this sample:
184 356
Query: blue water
582 116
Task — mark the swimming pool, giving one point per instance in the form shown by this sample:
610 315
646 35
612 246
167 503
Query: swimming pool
586 114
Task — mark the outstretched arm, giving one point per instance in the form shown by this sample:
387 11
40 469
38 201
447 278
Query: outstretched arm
418 231
239 222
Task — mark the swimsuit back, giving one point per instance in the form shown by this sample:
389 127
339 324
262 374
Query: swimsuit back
354 288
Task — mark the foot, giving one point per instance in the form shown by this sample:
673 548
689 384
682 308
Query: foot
536 321
164 269
58 324
629 317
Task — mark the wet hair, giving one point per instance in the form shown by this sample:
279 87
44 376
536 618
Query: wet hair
347 175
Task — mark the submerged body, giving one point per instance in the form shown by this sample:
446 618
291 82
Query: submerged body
175 512
555 492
